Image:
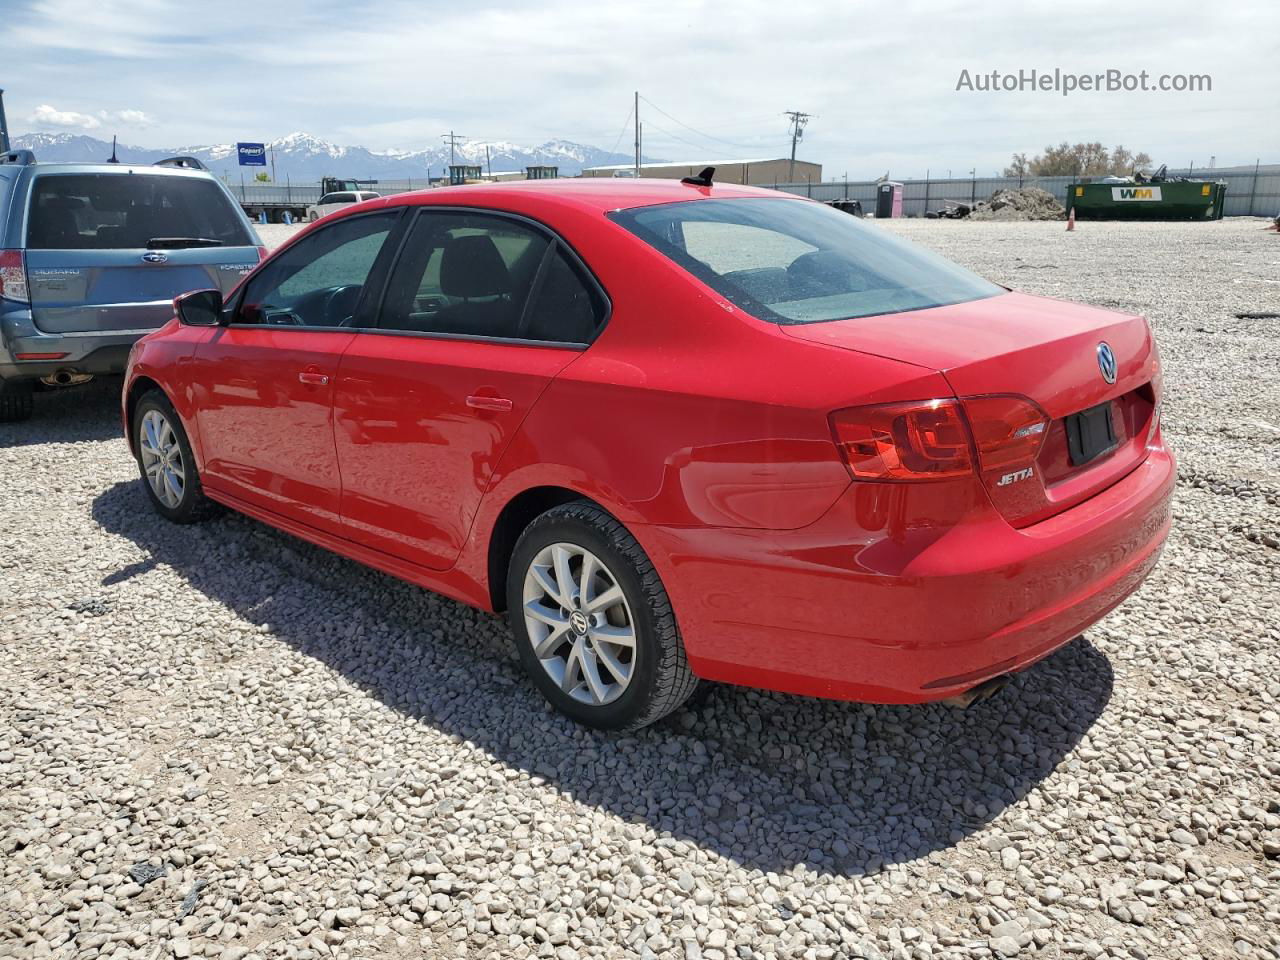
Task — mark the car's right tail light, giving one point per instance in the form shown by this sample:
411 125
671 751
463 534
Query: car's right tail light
939 439
13 276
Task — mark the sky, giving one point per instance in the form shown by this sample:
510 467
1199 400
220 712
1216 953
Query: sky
880 81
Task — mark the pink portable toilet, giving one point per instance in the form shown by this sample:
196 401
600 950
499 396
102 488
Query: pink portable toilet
889 199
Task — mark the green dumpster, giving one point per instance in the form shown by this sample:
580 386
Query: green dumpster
1153 200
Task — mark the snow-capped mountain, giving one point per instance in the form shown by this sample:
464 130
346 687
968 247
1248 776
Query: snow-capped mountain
302 157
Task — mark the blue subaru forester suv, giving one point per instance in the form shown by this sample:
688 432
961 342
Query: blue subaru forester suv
91 257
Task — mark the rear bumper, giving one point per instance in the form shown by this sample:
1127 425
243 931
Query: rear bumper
907 615
94 352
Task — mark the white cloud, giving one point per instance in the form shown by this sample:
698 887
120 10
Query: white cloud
47 116
882 91
128 118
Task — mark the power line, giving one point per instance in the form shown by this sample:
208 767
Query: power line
700 133
625 123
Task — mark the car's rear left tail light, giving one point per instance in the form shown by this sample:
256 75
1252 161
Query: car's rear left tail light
939 439
13 276
1008 431
919 440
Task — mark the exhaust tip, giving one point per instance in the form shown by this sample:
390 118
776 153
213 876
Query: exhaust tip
66 377
983 691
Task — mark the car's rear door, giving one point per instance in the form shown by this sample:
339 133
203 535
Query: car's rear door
264 382
108 251
481 312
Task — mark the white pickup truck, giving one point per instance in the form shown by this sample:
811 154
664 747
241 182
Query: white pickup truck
336 201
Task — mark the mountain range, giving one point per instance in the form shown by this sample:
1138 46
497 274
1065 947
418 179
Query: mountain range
304 158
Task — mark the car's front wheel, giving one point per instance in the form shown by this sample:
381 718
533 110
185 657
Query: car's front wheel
593 623
166 462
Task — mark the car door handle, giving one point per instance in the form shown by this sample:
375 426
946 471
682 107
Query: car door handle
311 378
500 404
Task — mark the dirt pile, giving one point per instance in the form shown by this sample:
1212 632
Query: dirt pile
1029 203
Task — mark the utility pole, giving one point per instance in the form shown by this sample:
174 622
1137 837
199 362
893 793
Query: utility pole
453 139
4 127
488 165
798 121
636 111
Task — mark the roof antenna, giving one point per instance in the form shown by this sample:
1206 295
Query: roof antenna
701 180
113 150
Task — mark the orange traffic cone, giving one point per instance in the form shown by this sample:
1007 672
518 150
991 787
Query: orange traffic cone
1071 220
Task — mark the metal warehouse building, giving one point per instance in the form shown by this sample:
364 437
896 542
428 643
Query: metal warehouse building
760 172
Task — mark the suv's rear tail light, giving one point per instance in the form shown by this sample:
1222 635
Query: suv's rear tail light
939 439
1008 431
13 276
920 440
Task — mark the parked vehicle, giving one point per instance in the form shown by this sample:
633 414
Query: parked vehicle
332 202
675 431
91 257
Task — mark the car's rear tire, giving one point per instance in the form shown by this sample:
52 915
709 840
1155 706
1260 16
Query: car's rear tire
612 659
313 217
16 400
166 463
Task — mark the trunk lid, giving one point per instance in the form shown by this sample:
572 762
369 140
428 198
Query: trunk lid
1043 349
81 291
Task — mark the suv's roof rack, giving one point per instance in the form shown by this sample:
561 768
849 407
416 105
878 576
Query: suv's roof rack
22 157
187 163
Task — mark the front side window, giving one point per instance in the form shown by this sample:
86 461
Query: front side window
318 281
788 261
110 211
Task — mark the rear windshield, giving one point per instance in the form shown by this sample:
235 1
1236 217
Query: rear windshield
787 261
105 211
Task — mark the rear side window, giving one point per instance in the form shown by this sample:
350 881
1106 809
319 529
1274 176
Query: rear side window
479 275
106 211
787 261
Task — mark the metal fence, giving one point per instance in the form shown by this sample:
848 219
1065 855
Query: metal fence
1249 193
301 194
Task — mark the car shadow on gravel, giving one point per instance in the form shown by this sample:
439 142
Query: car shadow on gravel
770 781
69 414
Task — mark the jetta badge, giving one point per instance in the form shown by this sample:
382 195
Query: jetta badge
155 256
1107 362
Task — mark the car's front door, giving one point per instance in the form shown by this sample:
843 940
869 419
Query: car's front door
264 381
481 312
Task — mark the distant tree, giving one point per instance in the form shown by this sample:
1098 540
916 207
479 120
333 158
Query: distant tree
1078 160
1020 166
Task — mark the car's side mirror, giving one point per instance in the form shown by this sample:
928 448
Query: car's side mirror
200 308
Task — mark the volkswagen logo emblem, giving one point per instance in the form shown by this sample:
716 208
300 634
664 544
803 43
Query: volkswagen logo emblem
155 256
578 620
1107 362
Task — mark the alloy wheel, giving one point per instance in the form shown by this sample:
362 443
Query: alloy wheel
162 458
579 623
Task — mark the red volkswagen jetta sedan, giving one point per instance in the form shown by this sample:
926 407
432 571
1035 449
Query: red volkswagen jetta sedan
676 431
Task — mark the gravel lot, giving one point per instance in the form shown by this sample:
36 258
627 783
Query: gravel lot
219 741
